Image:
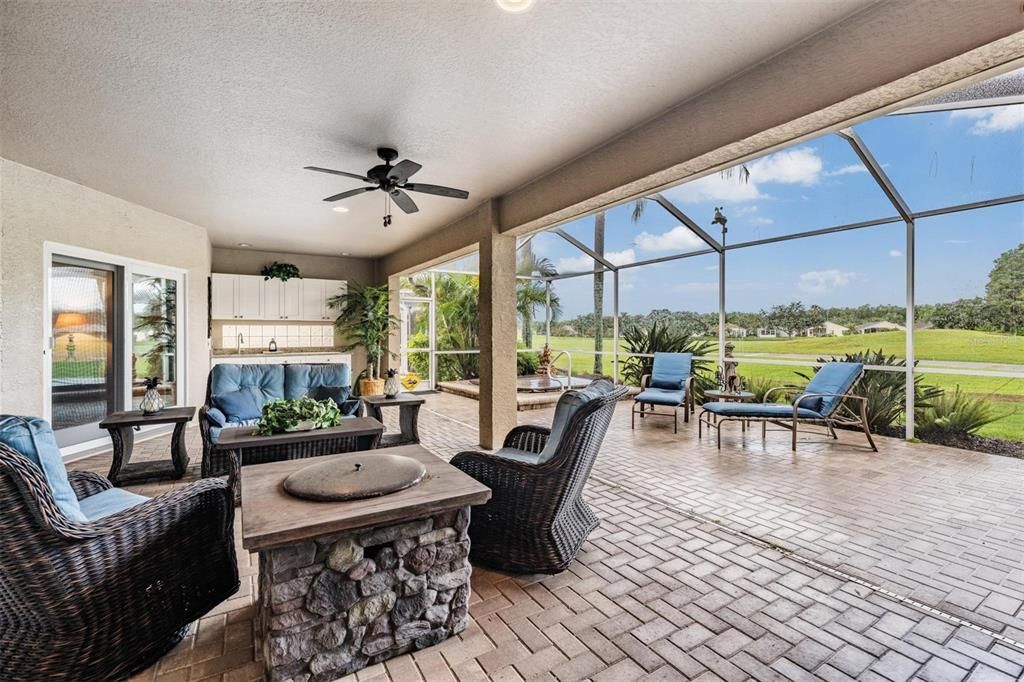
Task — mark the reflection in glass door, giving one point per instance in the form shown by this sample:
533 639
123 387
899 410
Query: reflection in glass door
416 332
84 342
154 336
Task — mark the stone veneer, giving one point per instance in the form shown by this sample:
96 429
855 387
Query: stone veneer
336 604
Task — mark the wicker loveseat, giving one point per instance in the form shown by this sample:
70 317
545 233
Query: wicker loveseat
537 520
97 583
265 383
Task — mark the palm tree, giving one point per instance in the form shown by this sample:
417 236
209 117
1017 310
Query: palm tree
638 212
530 293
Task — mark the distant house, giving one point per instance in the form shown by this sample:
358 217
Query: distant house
875 327
826 328
772 333
735 331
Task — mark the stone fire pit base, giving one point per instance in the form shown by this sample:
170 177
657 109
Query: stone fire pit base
335 604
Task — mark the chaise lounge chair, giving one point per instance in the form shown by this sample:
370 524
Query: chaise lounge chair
537 520
823 401
97 583
669 384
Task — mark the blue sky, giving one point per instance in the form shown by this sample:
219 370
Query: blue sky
934 159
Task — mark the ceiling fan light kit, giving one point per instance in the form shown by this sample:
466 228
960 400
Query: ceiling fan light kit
393 180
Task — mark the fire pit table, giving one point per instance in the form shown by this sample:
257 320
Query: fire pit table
344 585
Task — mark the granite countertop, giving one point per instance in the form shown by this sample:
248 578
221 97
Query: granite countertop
230 353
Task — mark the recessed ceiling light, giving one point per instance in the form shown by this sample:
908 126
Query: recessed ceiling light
514 6
339 209
244 245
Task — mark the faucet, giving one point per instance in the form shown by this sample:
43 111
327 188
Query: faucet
241 340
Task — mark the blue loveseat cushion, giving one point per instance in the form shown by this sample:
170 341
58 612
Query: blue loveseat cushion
33 438
216 417
109 502
661 396
754 410
671 370
268 380
568 405
241 405
833 377
302 380
341 395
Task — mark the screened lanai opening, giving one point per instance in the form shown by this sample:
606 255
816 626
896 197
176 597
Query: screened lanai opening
898 242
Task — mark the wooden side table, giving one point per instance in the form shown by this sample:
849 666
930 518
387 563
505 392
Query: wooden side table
122 426
408 417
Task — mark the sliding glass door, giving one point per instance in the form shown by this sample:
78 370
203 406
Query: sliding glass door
113 323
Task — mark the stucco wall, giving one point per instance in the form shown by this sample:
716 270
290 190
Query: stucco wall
36 207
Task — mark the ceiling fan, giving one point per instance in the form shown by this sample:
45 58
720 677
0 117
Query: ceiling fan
393 181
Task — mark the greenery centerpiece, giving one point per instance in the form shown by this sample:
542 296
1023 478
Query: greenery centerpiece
298 414
365 321
281 271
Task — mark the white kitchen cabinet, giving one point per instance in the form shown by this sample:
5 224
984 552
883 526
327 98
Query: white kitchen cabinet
236 297
249 300
315 294
332 288
222 297
250 297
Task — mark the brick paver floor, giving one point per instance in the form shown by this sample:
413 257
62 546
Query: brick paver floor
744 563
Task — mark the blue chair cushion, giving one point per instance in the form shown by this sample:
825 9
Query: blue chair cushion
241 405
268 380
109 502
661 396
671 370
518 455
216 430
833 377
568 405
754 410
216 417
33 438
302 380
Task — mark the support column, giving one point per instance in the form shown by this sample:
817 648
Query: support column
497 335
910 322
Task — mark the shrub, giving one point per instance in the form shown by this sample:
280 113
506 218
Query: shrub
527 363
659 338
759 386
954 412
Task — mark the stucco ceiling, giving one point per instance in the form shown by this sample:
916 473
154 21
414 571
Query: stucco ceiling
209 110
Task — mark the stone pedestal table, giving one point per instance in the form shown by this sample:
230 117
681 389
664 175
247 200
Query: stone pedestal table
345 585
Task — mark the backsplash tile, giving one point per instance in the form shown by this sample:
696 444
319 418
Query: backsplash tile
257 335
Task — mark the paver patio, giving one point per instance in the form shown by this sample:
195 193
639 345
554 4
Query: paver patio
703 567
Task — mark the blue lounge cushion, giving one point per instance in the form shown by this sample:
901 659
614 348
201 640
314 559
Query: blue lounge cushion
661 396
754 410
109 502
671 370
303 380
216 417
33 438
568 405
268 380
241 405
833 377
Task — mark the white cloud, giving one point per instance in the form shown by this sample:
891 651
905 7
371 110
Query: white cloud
679 238
823 281
993 119
847 170
746 210
895 253
800 166
584 263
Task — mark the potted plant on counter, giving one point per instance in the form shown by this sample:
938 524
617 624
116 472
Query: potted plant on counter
365 321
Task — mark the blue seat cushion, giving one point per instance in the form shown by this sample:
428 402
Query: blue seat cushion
518 455
661 396
342 395
241 405
216 430
568 405
833 377
109 502
33 438
671 370
216 417
302 380
753 410
268 380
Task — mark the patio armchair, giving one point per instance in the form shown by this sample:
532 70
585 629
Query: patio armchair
97 582
825 400
669 384
537 520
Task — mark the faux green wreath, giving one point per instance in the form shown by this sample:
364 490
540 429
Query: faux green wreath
281 271
286 414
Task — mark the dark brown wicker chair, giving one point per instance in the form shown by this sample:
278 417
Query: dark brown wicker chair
537 520
106 599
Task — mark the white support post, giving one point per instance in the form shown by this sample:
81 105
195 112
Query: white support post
615 325
547 312
432 317
910 330
721 307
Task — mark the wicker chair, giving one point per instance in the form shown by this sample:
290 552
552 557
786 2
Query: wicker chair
537 520
105 599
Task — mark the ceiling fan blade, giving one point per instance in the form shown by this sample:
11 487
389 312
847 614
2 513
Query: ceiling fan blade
334 172
437 189
404 201
403 170
349 193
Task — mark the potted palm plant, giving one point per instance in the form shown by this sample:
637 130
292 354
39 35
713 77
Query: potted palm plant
365 321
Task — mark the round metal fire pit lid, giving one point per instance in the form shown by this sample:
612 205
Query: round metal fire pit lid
355 476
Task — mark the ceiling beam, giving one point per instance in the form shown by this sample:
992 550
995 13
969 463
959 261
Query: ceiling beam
584 248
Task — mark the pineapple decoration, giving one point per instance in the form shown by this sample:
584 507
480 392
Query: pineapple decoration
391 384
544 361
152 401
